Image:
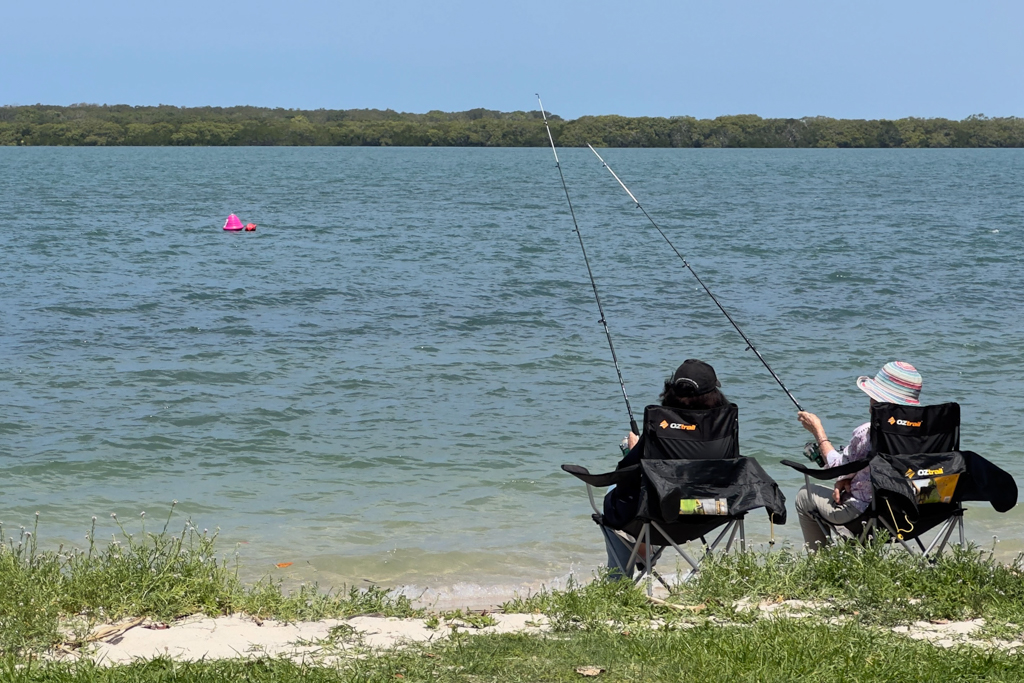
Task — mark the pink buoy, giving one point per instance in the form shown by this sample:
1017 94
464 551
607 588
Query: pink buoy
233 223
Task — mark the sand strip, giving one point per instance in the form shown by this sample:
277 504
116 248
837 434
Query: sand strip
330 640
201 637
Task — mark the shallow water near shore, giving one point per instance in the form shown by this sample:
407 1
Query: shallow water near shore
381 382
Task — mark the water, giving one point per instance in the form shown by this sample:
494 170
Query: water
380 383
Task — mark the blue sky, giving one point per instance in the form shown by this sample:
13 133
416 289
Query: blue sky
851 59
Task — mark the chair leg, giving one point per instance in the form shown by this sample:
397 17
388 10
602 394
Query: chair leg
932 550
733 528
732 536
935 541
636 549
647 563
661 580
895 534
708 548
951 523
685 555
645 573
650 558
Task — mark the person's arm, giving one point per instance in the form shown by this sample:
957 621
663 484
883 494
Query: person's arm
812 423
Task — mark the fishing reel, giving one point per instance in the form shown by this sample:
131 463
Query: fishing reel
812 451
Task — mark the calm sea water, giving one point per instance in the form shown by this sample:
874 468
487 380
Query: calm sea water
382 381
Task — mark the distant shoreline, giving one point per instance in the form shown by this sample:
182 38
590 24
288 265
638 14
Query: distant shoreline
160 126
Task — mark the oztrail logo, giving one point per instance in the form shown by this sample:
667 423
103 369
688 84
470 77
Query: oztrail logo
903 423
923 473
665 424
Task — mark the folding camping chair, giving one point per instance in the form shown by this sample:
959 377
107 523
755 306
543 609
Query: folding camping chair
920 478
692 481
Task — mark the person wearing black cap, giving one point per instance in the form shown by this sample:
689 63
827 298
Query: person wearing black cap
693 386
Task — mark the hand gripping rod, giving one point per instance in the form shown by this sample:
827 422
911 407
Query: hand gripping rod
750 344
593 283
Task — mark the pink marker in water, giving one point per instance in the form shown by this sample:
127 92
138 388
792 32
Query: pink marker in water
233 223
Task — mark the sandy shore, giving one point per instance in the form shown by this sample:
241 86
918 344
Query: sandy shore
328 641
237 636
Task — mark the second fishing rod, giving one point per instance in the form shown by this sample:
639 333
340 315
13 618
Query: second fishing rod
750 344
593 283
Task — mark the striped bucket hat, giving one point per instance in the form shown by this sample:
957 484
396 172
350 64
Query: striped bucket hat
897 382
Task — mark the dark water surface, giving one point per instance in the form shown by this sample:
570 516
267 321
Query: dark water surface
381 382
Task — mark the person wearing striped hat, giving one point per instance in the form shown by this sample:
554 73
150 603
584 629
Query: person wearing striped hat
897 382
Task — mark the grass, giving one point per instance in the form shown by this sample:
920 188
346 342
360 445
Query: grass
879 583
771 650
875 584
162 575
608 624
590 606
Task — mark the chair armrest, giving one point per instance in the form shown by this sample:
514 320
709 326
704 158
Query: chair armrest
830 472
602 480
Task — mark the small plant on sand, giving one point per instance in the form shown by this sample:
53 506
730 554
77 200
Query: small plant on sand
471 619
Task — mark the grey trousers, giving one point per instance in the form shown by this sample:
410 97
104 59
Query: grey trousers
819 499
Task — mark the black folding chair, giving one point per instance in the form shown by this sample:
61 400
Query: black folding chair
920 478
691 481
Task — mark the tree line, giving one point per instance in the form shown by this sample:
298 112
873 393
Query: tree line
92 124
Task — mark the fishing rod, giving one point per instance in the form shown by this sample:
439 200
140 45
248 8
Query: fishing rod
750 344
593 283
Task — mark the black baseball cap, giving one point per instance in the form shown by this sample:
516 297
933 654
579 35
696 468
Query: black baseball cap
694 378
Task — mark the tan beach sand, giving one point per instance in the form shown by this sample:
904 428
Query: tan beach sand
237 636
202 637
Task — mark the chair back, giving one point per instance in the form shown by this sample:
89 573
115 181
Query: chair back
907 430
677 434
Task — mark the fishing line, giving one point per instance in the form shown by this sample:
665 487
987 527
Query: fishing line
593 283
750 345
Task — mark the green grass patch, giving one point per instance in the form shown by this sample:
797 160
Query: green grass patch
162 575
880 583
607 624
875 584
590 606
771 650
